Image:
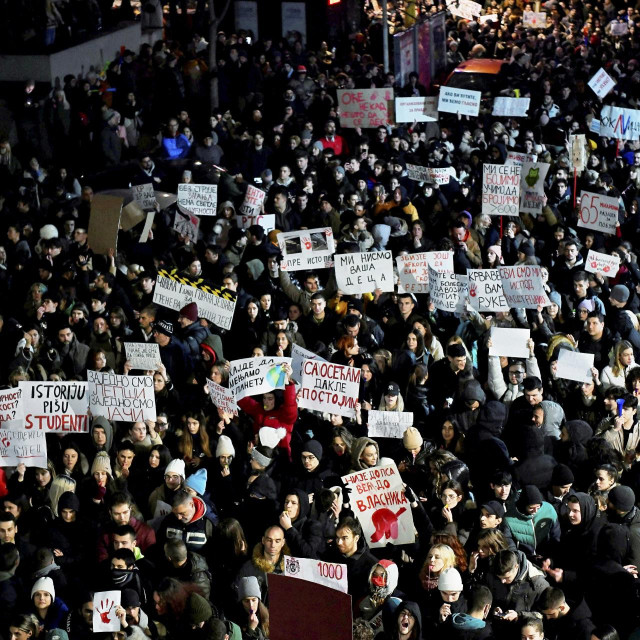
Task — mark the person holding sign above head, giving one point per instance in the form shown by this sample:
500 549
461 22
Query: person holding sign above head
172 353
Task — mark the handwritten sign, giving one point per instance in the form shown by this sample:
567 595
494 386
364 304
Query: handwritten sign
389 424
298 356
513 107
466 9
329 387
517 157
500 189
252 376
448 290
364 107
125 398
105 604
144 195
364 272
575 366
534 19
523 287
620 123
602 83
413 269
253 201
19 446
308 249
187 225
329 574
485 290
462 101
511 343
602 263
439 175
598 212
11 409
266 221
143 355
56 406
222 397
417 109
379 502
198 199
532 177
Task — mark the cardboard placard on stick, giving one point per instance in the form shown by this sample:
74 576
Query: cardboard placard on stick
104 223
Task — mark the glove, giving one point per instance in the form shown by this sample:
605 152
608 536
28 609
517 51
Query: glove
99 493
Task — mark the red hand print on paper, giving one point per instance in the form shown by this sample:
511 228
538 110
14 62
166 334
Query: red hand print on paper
105 610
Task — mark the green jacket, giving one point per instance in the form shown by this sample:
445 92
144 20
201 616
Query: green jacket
533 530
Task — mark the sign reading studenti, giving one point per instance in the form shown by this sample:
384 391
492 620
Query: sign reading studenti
485 290
463 101
417 109
413 269
389 424
124 398
143 355
329 387
364 107
329 574
252 376
308 249
597 262
598 212
198 199
253 200
523 287
500 189
56 406
380 504
364 272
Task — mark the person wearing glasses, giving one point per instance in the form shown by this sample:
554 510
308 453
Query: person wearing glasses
517 370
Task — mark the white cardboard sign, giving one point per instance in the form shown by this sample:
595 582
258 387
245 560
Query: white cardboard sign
598 212
198 199
144 195
379 502
413 269
105 604
439 175
463 101
329 387
389 424
329 574
511 343
466 9
124 398
518 157
61 407
620 123
364 107
252 376
11 409
253 200
417 109
575 366
364 272
602 262
222 397
18 445
449 291
501 189
602 83
187 225
485 290
513 107
534 19
308 249
298 356
266 221
143 355
523 287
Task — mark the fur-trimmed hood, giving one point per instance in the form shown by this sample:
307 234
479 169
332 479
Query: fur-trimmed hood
259 562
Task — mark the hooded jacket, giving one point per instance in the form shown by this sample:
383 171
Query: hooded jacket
101 421
536 468
260 567
196 533
359 445
369 606
507 392
304 538
462 626
392 633
574 624
631 522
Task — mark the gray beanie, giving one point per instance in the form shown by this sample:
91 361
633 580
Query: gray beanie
249 588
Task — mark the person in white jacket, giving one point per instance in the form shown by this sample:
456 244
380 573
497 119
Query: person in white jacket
518 370
615 375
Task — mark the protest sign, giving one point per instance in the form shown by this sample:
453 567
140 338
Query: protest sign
448 290
575 366
266 221
594 126
620 123
511 343
144 195
523 287
598 212
329 387
56 406
142 355
513 107
466 9
619 28
364 107
462 101
253 200
104 223
364 272
198 199
289 597
126 398
485 290
518 157
578 150
416 109
11 409
308 249
534 19
501 189
19 446
488 17
298 356
439 175
602 263
388 424
329 574
413 269
252 376
174 292
418 173
532 177
379 502
187 225
222 397
105 604
601 83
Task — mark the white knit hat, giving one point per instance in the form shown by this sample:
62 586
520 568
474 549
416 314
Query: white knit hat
175 466
270 437
450 580
44 584
225 447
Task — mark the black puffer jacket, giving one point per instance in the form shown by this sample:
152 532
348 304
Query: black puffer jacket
305 537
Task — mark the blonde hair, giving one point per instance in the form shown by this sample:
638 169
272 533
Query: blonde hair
448 558
618 367
58 486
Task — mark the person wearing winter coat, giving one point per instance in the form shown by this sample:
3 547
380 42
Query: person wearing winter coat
517 371
621 510
273 413
412 458
536 467
49 610
365 454
565 618
303 535
311 476
186 566
383 580
407 623
622 432
474 624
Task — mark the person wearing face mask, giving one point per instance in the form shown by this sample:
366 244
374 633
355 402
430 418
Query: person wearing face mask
383 580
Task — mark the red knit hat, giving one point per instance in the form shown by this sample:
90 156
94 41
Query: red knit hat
190 311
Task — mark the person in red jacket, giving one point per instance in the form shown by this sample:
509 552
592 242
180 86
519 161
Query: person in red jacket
270 413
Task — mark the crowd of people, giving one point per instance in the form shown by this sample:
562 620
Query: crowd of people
522 485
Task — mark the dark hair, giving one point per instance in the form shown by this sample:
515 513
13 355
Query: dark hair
618 392
630 401
5 516
605 632
9 556
163 452
596 314
501 478
125 530
551 598
120 497
479 597
532 383
231 533
504 562
126 445
350 523
124 554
